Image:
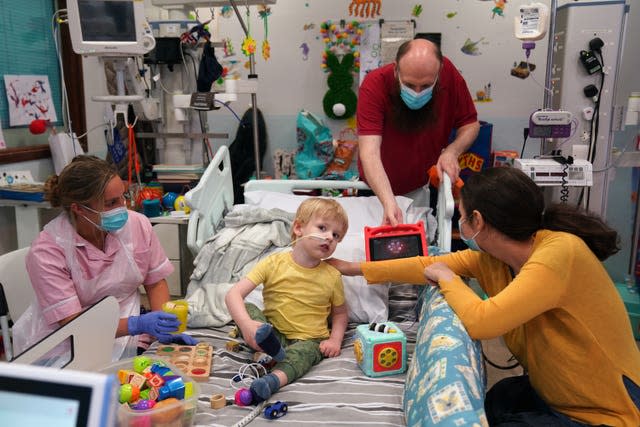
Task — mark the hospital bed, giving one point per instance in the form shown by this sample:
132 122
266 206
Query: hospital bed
336 391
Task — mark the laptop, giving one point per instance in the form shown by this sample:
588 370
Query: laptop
35 396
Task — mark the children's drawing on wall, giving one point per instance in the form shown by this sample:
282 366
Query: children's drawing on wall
451 15
370 54
416 11
498 8
484 94
365 8
471 47
522 70
3 144
309 26
229 62
305 51
29 98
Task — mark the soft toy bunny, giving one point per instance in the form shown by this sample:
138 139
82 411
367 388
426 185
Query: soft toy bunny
340 101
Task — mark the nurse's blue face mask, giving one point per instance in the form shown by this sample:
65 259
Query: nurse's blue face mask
471 241
111 220
416 100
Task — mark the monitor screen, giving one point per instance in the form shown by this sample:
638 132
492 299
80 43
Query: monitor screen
54 407
33 396
395 247
110 28
107 21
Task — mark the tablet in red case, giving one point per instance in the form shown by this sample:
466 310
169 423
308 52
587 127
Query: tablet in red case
389 242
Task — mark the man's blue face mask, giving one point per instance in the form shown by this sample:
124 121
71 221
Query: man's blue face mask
416 100
470 242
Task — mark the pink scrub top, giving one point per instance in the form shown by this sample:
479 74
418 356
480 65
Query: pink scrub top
68 274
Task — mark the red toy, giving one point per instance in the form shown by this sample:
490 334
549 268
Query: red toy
401 241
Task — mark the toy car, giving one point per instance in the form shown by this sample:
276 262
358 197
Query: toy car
275 410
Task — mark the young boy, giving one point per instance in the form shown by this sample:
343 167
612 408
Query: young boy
300 292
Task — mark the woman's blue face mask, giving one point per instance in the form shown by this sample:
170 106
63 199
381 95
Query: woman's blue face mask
416 100
111 220
471 241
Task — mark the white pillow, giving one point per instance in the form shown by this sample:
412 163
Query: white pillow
362 211
367 303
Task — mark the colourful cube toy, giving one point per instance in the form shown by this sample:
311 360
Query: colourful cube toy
381 349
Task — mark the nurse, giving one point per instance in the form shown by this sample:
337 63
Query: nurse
93 249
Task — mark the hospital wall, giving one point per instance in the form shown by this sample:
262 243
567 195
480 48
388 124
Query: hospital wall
479 42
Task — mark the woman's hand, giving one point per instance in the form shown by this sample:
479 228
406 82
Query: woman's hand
436 272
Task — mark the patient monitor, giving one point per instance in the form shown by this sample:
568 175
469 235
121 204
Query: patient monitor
109 27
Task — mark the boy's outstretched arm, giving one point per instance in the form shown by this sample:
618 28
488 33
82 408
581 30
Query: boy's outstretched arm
235 303
331 347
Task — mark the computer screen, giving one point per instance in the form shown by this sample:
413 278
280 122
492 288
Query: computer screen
109 27
107 21
32 396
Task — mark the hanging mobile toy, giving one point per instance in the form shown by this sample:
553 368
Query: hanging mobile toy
264 13
248 44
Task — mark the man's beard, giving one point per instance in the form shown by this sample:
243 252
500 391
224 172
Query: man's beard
407 120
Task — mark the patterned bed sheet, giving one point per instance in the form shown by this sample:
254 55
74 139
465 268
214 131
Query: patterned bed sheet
335 392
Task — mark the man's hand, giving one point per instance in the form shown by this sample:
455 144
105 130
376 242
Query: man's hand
448 163
330 348
392 214
436 272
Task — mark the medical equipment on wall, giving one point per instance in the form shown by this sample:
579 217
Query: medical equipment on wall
557 171
109 27
550 124
581 33
532 22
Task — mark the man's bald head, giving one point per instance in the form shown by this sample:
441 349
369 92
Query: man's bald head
418 63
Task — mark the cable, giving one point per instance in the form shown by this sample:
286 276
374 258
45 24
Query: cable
229 108
246 374
504 368
564 190
524 143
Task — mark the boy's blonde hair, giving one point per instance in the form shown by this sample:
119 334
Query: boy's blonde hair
322 208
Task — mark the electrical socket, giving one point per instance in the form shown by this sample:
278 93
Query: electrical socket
586 136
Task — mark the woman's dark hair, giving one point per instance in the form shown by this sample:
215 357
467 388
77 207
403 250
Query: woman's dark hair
513 204
81 181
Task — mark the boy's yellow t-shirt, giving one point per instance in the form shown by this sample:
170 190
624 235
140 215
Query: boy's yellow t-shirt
298 300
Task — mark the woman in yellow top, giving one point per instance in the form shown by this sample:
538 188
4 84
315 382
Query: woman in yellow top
549 297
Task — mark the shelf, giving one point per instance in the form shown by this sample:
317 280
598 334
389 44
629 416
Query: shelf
209 3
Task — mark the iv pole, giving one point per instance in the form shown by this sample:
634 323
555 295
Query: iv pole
254 108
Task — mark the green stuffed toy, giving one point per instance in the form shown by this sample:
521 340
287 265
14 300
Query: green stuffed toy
340 101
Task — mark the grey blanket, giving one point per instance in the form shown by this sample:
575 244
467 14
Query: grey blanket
249 233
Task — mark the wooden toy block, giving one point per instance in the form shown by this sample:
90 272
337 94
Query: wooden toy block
155 380
124 375
137 380
195 361
233 346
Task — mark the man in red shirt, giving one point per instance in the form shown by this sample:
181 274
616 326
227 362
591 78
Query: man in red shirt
406 113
